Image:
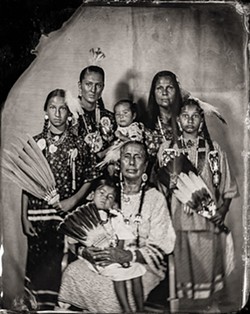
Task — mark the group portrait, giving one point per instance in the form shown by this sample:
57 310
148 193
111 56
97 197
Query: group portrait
125 163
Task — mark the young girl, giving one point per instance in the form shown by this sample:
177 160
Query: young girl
116 232
65 154
127 129
199 250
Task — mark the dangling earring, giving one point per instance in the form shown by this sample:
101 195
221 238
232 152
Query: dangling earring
179 126
69 121
144 177
121 177
200 127
46 117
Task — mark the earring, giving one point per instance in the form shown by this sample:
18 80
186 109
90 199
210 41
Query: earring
144 177
46 117
69 119
179 126
121 177
200 127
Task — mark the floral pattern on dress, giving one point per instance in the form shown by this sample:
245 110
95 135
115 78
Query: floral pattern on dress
154 138
60 164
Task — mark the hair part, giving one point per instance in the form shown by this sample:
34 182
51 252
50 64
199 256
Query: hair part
54 93
153 109
92 68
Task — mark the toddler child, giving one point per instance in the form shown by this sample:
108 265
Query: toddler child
114 233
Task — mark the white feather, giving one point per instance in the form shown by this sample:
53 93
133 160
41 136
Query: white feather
112 155
74 106
208 108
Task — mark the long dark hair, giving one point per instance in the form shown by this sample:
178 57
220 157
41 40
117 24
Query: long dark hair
153 111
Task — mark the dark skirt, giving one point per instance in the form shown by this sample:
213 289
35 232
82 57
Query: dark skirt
44 260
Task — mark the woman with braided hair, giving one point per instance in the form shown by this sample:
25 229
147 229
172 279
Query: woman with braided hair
65 154
199 253
145 210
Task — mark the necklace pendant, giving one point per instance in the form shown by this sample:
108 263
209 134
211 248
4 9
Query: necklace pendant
138 219
52 148
127 221
190 143
126 199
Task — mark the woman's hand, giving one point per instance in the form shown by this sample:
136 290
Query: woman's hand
28 228
65 205
104 257
220 215
221 212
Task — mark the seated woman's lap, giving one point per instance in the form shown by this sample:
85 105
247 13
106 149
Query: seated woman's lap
88 290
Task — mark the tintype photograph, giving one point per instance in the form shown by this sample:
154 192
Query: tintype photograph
124 156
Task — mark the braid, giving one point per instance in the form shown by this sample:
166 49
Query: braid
81 124
211 148
45 128
207 136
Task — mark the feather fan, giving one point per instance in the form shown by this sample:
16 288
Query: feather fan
84 225
27 167
189 188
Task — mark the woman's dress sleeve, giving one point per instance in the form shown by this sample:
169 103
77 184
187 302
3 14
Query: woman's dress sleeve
161 237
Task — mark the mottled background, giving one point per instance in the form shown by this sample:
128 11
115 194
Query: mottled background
205 45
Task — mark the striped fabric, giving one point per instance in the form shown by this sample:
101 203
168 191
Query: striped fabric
44 214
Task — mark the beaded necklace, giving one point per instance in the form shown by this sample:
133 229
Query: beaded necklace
89 127
55 140
166 132
93 139
213 157
138 216
200 150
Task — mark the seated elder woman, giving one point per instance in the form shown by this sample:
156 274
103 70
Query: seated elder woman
145 210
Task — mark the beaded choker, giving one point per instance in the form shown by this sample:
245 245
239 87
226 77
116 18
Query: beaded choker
54 140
